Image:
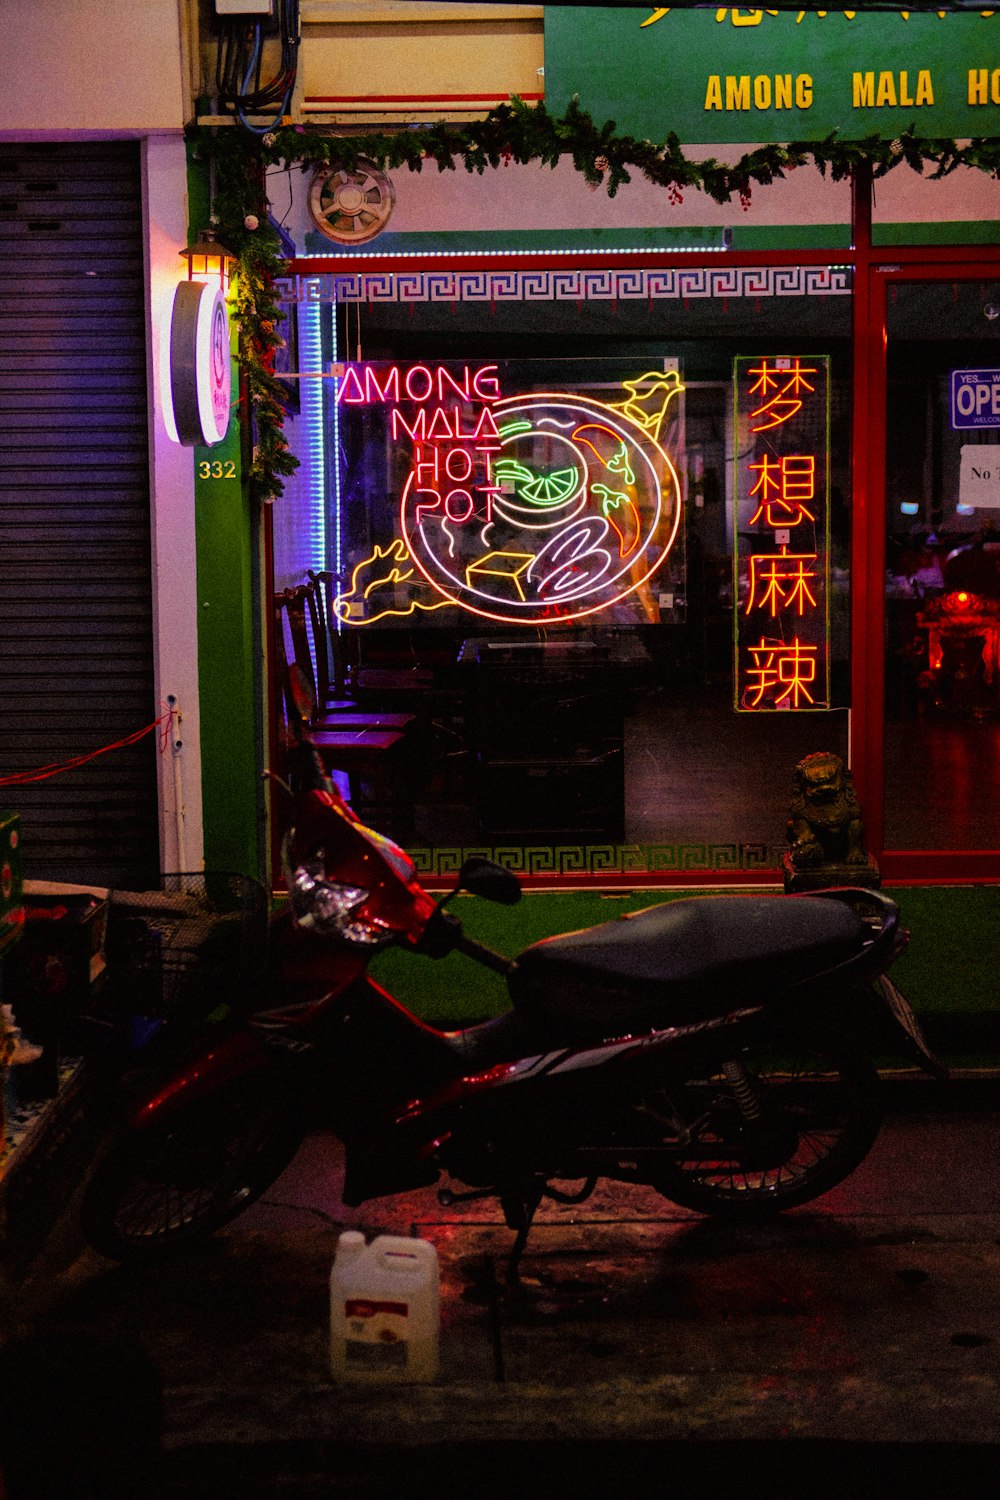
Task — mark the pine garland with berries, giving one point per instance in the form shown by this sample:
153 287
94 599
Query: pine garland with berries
516 132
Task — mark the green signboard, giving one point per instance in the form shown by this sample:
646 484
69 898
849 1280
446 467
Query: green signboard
714 76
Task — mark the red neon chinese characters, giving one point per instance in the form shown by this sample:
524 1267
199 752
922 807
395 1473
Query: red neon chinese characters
783 383
790 666
782 581
782 570
785 485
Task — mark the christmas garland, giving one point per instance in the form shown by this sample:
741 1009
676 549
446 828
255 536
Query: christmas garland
512 132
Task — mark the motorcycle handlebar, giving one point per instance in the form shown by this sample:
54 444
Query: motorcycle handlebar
443 935
487 956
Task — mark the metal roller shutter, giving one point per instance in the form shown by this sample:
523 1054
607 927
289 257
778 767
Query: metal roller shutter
76 658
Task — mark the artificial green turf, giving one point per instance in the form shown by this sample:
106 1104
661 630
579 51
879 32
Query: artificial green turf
456 990
952 964
951 968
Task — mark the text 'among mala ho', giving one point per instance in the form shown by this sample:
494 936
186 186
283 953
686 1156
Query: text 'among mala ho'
501 492
781 532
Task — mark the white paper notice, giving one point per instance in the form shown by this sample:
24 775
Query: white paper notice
979 476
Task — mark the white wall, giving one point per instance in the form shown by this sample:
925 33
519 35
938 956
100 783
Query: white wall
115 67
537 197
172 518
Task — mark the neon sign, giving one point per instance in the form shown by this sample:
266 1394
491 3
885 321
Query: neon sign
781 532
526 509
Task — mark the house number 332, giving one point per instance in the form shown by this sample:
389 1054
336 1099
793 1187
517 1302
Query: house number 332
217 468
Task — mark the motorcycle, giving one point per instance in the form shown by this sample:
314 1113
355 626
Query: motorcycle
719 1049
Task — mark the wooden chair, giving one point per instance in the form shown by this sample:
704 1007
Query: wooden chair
309 647
332 656
365 758
297 607
296 689
330 690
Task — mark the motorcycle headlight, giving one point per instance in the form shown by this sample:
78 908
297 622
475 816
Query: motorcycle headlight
324 906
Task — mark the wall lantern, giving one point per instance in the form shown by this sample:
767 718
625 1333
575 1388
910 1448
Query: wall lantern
195 357
208 259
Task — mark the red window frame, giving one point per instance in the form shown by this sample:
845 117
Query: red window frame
875 269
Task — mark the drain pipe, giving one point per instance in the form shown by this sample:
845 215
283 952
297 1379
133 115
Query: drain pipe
176 749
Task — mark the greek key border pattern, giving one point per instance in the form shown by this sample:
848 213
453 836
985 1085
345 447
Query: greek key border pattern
569 285
599 859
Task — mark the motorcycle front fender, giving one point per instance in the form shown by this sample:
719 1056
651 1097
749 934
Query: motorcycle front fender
902 1013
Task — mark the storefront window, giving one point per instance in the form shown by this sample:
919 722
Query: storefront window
540 508
943 565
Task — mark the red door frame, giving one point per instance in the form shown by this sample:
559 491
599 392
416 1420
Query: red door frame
876 269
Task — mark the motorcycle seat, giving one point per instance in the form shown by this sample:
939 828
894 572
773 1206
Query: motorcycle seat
679 962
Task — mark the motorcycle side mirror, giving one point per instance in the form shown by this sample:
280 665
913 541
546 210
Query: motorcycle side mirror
481 877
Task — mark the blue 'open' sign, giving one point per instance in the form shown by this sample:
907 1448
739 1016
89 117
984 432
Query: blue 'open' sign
975 398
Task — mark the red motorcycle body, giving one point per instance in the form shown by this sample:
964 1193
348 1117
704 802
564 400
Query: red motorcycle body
621 1055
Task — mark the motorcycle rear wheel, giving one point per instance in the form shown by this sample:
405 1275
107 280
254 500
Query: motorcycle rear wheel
822 1108
163 1188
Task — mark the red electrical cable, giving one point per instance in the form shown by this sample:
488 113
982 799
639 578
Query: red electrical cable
42 773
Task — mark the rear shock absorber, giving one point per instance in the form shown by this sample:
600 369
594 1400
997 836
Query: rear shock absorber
738 1079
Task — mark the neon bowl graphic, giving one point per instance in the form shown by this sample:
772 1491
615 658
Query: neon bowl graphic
574 507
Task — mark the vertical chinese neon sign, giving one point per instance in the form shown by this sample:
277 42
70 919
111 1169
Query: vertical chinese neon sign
781 553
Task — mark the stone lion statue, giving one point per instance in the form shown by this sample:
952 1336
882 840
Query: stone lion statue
824 824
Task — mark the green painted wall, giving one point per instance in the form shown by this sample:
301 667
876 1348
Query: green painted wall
227 532
227 657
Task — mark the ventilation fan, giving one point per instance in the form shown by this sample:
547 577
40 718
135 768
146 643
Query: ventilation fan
351 207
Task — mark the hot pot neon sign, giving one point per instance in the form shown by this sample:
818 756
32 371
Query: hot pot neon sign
525 509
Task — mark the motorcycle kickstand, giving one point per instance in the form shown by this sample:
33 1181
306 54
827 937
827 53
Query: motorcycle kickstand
519 1212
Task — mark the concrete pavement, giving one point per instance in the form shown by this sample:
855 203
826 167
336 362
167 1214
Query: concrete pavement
865 1327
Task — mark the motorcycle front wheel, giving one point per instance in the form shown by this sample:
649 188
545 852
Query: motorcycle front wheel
176 1182
817 1109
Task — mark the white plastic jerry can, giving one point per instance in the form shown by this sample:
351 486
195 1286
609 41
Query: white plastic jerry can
384 1309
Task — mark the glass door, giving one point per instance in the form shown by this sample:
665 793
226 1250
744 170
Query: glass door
941 692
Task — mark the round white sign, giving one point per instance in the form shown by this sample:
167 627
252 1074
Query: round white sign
197 369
